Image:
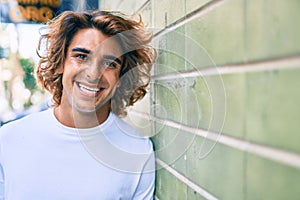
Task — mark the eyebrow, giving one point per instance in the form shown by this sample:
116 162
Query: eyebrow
110 57
79 49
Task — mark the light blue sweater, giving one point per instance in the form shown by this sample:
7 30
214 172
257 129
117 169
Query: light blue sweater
40 159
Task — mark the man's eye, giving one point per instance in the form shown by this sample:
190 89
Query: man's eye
81 57
109 64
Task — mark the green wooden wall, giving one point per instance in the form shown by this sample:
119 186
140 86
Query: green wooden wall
223 108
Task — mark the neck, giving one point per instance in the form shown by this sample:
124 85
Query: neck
76 119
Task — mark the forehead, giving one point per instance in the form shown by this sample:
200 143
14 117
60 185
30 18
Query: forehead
95 41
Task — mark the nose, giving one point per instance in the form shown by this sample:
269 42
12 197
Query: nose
94 71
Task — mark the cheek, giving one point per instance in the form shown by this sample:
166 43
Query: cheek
69 73
116 78
71 64
71 67
111 76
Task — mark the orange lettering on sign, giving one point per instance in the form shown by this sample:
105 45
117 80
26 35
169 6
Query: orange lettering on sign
55 3
52 3
33 2
16 13
45 14
30 13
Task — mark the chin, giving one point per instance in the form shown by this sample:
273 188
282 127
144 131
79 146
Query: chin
85 109
91 109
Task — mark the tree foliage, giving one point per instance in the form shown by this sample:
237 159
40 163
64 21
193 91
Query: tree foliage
28 68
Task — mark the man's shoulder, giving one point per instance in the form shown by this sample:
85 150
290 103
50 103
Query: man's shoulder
128 129
23 124
127 135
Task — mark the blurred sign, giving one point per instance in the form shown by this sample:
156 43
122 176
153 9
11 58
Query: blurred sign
39 11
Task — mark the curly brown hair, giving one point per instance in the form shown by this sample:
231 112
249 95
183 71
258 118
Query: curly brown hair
138 56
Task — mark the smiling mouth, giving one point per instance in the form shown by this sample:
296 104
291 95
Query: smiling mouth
90 91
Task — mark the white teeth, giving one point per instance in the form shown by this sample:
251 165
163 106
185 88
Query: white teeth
88 89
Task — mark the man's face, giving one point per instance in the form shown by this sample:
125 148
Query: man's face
91 71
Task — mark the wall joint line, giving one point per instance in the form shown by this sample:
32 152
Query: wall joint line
190 16
185 180
279 155
257 66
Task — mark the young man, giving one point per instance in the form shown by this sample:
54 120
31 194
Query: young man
94 64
